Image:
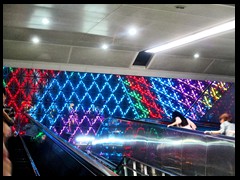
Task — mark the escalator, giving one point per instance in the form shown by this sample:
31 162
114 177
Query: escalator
125 147
174 151
50 155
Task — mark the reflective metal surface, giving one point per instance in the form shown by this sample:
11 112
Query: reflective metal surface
177 150
55 156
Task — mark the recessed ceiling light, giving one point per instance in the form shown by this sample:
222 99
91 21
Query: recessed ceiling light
196 55
104 46
45 21
200 35
132 31
35 40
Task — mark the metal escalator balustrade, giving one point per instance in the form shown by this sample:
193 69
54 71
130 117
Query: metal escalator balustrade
56 157
176 150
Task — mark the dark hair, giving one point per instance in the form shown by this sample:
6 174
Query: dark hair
178 114
225 116
4 91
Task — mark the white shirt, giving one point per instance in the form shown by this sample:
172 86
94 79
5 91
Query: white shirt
227 128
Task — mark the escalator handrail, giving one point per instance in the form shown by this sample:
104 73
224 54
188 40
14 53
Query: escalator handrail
36 172
177 129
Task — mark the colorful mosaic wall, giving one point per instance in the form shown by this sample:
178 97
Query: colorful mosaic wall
72 103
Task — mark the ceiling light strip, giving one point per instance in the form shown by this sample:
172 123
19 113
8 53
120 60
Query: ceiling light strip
203 34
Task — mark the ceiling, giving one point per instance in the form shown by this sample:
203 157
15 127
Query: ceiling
72 39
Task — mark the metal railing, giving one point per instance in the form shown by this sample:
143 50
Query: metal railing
90 165
30 157
133 167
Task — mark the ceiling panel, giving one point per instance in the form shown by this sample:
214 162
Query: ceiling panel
98 57
222 68
208 10
32 52
211 48
77 31
179 63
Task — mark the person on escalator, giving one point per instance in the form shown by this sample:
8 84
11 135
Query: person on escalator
226 127
8 112
7 164
7 123
31 130
180 121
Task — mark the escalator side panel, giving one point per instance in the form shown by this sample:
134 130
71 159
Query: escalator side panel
52 160
177 150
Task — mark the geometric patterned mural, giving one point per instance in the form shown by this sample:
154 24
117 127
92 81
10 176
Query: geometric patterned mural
225 104
71 103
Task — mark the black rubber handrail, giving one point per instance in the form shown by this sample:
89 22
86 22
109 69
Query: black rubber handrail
178 129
